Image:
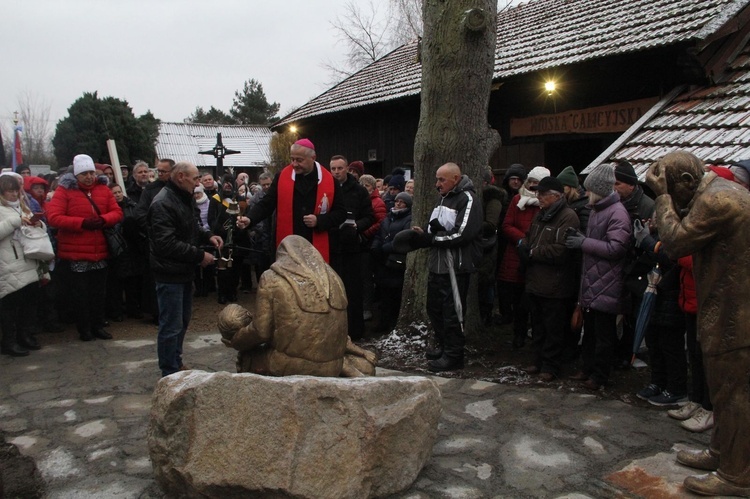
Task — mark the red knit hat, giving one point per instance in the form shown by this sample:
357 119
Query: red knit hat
358 167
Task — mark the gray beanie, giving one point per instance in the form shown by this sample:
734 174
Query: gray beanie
601 180
405 197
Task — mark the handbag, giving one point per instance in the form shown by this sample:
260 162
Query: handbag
35 242
576 320
116 243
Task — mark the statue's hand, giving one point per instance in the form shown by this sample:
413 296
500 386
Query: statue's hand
656 179
371 357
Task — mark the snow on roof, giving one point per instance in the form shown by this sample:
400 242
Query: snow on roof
539 35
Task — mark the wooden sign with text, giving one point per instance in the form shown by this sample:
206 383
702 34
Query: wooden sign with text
603 119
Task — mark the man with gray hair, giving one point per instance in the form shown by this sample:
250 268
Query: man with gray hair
305 198
176 238
550 277
140 181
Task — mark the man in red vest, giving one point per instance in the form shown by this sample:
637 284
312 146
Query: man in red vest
305 198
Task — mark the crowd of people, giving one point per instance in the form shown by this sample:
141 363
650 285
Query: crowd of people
555 258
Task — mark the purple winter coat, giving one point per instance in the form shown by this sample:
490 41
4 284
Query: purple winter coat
604 249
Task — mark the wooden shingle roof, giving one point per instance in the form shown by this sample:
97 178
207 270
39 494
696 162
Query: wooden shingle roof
539 35
712 122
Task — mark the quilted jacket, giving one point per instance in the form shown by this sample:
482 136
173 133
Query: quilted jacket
607 241
66 211
15 270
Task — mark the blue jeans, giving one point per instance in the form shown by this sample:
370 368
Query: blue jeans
175 306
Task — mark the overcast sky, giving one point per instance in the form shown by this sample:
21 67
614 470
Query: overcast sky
167 56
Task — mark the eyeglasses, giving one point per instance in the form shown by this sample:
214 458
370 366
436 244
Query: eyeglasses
162 172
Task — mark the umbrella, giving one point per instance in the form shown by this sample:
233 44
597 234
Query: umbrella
647 306
454 287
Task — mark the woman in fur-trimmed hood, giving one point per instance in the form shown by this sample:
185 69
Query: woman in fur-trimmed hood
81 208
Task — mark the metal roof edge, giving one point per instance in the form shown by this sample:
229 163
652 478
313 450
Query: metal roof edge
635 128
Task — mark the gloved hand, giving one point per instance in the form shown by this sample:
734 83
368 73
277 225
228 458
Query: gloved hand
435 226
524 252
488 230
574 239
93 223
640 232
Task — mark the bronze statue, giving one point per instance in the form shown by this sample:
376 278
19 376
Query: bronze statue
300 323
709 217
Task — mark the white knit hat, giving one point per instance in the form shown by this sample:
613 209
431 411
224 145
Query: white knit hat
538 173
83 163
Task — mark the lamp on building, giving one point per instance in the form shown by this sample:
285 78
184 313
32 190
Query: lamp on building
293 129
550 87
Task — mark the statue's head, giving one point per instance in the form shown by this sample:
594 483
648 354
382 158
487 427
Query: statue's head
684 172
232 319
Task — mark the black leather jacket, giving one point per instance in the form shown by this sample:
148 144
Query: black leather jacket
174 236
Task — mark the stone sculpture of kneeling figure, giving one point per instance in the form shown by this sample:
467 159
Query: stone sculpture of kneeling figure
300 323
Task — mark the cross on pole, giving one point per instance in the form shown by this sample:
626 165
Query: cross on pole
219 152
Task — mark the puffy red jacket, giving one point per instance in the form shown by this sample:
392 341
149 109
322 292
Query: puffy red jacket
688 299
67 210
515 226
379 211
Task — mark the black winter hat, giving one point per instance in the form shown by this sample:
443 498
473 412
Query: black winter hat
549 184
516 170
624 172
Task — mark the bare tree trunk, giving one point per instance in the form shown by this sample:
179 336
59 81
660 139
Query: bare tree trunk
458 59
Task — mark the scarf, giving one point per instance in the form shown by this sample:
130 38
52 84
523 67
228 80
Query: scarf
285 200
527 198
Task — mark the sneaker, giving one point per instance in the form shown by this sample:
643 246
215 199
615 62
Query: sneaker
650 391
684 412
667 398
701 421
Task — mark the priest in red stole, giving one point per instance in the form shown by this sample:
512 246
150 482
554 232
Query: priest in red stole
305 198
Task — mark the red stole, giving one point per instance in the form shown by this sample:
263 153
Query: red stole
285 209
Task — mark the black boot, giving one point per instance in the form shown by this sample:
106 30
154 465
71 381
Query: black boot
8 345
101 334
14 350
434 353
445 363
27 340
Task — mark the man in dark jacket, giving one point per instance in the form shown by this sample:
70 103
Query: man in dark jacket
453 235
346 250
550 277
175 237
163 171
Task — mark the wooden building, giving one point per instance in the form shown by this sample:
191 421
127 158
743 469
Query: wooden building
614 65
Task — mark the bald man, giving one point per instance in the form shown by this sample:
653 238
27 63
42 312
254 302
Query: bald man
453 232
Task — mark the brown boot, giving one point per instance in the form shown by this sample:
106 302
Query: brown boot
712 484
699 459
